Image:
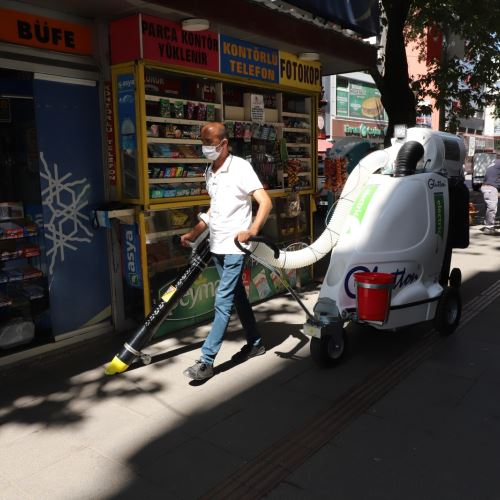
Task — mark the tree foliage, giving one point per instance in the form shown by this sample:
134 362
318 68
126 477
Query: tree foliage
461 81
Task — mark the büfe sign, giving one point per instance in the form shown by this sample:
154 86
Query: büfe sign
163 41
299 74
44 32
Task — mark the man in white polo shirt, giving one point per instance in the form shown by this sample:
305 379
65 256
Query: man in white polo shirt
231 184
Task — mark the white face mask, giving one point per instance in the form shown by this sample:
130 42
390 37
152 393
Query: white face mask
210 152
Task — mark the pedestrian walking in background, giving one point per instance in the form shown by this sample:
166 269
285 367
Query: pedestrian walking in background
489 188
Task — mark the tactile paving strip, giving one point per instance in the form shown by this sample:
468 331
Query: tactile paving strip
273 465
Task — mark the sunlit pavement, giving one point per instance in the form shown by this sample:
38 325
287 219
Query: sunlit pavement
68 432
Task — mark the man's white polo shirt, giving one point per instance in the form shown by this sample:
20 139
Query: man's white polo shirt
230 189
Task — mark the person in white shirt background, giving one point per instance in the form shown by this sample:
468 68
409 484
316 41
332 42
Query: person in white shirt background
231 183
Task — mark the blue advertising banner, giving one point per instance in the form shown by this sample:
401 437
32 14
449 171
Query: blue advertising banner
361 16
247 60
131 254
72 185
127 133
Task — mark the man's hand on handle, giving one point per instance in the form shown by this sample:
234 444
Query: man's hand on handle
244 236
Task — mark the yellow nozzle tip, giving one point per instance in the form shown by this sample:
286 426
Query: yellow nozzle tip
116 365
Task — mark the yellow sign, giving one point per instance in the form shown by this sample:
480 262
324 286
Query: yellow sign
299 74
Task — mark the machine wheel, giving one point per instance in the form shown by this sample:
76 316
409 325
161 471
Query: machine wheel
455 278
326 351
448 312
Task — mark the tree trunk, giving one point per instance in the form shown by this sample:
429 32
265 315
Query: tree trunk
393 79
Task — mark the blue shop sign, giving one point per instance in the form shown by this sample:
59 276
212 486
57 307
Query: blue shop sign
131 255
247 60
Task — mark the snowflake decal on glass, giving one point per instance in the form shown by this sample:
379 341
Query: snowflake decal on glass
64 200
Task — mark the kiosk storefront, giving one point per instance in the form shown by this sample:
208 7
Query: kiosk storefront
54 278
167 83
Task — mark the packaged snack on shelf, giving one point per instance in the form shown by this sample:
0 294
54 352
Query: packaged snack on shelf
256 130
154 130
30 251
11 230
210 112
239 130
32 291
155 191
201 114
190 108
14 275
170 130
278 285
188 151
11 210
164 108
247 134
178 218
261 284
29 228
178 109
272 134
30 272
169 192
229 129
264 135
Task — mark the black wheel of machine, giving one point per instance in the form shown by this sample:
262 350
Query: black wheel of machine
455 278
448 312
327 351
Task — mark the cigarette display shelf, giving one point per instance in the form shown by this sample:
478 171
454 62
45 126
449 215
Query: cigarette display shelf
171 107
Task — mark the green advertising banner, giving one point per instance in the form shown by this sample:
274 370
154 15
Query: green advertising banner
360 101
342 102
197 305
364 102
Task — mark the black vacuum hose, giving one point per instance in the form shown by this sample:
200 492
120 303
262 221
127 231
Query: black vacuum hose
407 159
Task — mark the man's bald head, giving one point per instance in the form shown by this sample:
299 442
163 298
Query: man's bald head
214 129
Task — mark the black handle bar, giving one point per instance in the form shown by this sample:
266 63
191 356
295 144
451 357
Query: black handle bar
259 239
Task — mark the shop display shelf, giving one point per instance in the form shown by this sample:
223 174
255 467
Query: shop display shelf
6 238
297 130
152 237
177 160
301 158
296 115
176 180
300 174
178 121
156 98
24 278
168 140
298 144
18 257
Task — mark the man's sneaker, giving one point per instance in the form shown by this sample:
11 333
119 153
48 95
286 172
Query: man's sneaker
199 371
249 351
490 230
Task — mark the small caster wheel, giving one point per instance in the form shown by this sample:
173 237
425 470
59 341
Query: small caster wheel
146 359
328 350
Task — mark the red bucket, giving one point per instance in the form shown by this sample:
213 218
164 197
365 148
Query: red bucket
373 295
